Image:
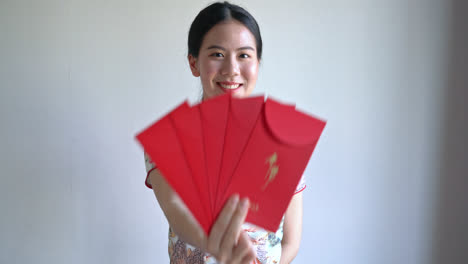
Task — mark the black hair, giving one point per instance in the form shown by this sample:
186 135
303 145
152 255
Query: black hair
214 14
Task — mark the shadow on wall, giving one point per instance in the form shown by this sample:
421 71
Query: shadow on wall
451 222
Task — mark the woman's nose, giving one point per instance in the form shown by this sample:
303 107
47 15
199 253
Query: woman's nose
230 67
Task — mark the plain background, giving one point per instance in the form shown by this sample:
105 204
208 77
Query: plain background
79 78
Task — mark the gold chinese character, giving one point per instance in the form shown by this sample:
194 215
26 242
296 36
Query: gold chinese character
272 170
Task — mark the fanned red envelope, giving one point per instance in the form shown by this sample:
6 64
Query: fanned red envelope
161 143
273 162
213 116
224 146
189 131
243 113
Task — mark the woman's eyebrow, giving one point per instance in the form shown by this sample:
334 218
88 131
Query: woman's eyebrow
221 48
216 47
246 47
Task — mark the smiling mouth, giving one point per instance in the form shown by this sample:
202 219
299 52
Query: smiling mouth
229 86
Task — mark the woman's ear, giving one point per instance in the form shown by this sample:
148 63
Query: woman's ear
193 62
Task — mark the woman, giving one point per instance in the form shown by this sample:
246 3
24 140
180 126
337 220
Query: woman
224 50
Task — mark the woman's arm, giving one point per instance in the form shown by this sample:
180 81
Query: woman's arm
226 241
292 230
180 219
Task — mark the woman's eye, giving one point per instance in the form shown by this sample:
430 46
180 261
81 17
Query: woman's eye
244 56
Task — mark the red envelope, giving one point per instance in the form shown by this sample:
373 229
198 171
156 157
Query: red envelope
273 162
189 131
213 117
161 143
243 114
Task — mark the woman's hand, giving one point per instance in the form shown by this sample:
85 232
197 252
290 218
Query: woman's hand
227 242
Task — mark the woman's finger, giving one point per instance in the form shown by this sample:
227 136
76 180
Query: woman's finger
243 249
231 235
250 257
220 225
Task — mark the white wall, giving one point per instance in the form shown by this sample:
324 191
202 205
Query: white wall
78 79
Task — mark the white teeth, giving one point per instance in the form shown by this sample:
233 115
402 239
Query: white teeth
229 86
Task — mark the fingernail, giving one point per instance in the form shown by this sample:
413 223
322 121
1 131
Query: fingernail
235 199
244 203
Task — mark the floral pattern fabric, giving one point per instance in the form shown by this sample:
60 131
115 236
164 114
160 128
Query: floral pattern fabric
267 244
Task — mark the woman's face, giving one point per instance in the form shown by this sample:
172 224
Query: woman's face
227 61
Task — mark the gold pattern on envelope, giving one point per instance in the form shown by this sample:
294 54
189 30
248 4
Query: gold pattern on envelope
254 207
272 170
